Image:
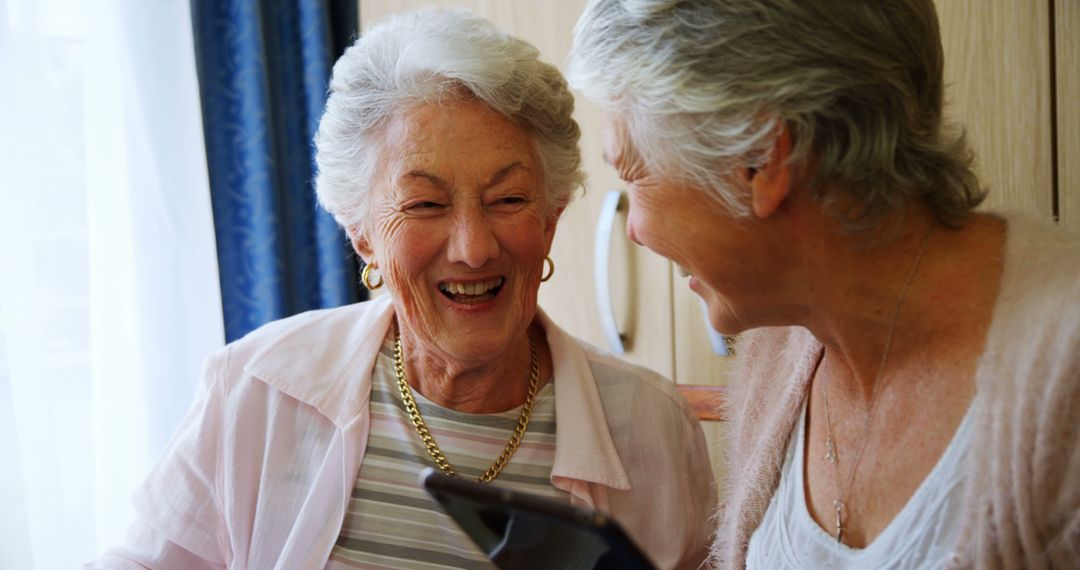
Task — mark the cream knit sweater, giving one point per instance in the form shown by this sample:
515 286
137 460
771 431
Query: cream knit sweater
1023 487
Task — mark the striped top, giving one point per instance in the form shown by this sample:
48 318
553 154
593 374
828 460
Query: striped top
391 522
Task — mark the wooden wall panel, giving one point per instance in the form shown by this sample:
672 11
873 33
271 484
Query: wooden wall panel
997 55
1067 69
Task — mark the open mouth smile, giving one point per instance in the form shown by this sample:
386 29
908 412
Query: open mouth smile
472 293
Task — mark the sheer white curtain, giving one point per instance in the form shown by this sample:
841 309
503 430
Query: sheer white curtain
109 294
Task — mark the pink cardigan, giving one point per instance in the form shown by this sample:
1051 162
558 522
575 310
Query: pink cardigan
260 472
1023 495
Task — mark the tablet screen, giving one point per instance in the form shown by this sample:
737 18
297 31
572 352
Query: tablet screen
523 531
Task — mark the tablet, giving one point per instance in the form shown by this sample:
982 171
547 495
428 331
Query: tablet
524 531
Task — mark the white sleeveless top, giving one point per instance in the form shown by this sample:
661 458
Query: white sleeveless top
921 536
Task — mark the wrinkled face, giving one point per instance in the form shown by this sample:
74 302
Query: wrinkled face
682 223
458 227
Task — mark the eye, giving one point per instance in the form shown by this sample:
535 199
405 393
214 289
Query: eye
509 203
421 206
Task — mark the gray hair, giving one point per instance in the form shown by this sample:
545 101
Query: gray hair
703 87
435 56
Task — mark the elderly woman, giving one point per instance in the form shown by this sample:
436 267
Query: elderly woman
447 152
909 389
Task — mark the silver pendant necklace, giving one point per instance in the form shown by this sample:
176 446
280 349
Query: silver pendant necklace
831 454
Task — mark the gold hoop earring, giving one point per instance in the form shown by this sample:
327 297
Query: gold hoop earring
550 270
365 276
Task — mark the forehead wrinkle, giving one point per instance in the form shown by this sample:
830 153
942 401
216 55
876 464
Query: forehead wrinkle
434 179
500 175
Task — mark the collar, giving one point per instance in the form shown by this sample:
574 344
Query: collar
327 358
584 449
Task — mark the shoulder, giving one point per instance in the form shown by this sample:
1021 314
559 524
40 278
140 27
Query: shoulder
1041 265
627 386
316 323
1027 405
1035 331
766 358
771 348
300 350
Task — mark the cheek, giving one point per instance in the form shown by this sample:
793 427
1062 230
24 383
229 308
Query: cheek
527 245
407 261
405 251
525 234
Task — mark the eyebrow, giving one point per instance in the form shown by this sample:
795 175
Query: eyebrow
496 178
429 177
503 173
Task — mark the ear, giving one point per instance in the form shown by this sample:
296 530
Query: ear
362 247
770 184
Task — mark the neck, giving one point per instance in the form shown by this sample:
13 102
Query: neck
493 385
847 297
868 305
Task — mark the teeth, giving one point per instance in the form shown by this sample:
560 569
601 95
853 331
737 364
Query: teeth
682 271
471 288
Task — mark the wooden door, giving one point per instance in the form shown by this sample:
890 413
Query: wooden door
998 75
1067 93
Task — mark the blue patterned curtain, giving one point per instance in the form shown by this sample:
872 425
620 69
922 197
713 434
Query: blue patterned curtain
263 69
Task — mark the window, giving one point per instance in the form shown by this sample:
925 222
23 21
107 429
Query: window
109 296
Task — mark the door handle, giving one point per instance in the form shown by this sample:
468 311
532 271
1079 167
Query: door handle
614 202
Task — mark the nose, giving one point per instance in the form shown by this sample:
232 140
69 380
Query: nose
473 240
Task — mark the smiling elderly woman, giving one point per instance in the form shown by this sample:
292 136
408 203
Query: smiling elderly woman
908 394
447 152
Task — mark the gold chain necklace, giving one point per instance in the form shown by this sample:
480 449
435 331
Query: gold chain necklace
839 506
429 441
